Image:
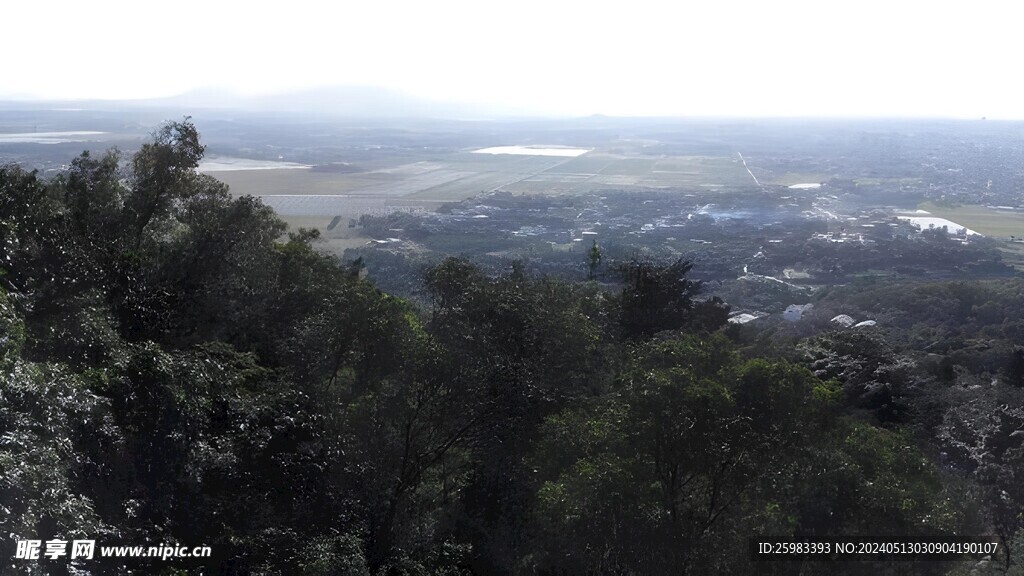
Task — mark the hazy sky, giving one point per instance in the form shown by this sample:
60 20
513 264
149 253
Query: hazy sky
635 57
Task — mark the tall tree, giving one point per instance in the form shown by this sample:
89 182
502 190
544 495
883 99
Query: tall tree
658 297
593 260
162 171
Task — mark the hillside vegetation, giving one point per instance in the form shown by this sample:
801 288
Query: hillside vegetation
175 368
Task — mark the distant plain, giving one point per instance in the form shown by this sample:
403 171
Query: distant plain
435 179
312 197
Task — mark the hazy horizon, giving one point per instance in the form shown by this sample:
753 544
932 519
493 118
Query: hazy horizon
740 59
214 98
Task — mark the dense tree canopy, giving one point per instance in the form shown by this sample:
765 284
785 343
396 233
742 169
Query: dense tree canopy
176 367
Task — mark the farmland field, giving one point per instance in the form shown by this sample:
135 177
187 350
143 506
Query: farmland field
790 178
999 224
334 240
431 179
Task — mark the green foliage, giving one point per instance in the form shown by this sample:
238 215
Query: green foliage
12 332
874 377
334 556
43 449
93 193
695 452
593 260
657 298
163 171
175 368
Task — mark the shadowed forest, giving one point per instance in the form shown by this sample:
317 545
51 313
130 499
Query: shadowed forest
176 367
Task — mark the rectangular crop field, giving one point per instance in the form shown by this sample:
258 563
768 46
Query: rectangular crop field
1000 224
432 179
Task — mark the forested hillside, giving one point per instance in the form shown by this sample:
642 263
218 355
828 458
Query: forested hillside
175 368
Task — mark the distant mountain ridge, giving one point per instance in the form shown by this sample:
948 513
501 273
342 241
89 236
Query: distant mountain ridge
340 101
